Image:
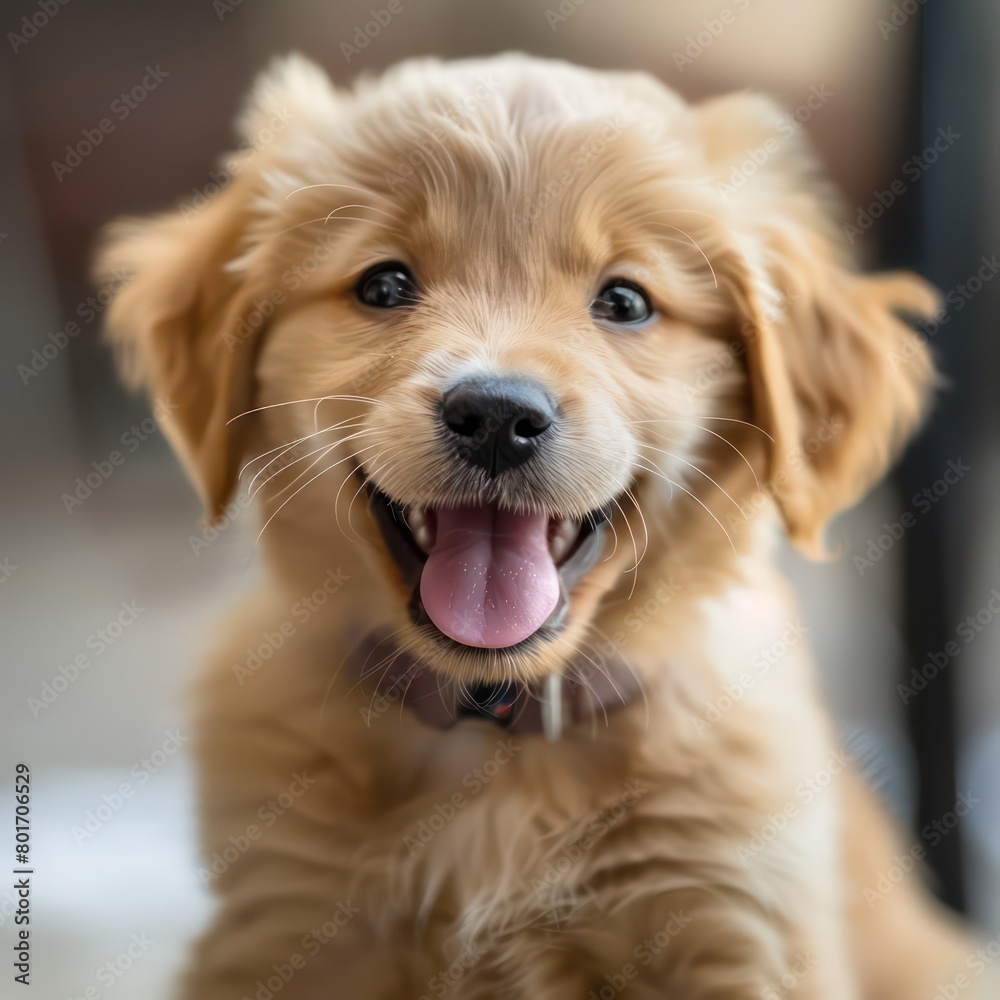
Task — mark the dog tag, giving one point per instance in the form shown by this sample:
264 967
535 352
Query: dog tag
552 707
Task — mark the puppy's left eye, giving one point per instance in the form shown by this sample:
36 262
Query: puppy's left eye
622 301
387 286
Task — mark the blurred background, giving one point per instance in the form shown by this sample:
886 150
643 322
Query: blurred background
899 98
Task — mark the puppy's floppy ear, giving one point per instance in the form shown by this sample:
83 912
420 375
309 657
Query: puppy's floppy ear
838 379
179 328
187 327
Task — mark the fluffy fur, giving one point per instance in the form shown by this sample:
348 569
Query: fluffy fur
695 844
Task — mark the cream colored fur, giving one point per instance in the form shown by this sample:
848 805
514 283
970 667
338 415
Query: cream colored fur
769 392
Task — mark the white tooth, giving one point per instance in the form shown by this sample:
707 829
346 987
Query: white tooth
558 547
563 539
422 536
416 521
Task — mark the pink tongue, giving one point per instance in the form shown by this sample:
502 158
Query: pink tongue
489 581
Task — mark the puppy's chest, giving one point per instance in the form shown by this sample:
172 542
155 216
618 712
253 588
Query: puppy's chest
466 759
477 782
480 814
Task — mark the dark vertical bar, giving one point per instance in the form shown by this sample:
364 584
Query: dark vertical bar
945 237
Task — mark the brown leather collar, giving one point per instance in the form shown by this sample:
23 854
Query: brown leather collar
590 690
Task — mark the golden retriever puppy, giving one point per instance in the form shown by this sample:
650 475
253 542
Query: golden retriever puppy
526 382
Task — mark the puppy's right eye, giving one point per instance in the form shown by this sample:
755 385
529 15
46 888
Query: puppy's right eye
387 286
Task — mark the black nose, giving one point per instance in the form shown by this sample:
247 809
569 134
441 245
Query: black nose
497 423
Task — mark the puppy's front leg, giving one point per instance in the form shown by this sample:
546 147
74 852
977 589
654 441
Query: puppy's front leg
277 829
717 943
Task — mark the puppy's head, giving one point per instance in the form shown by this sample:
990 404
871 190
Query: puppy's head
536 321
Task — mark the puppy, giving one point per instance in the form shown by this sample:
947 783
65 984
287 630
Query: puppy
526 380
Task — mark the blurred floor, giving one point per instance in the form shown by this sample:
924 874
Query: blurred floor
113 872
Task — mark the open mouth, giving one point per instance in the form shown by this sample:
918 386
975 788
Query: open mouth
484 576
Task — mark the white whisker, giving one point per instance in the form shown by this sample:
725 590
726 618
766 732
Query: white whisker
366 481
645 529
346 187
746 423
285 449
324 219
635 548
287 500
325 449
628 666
310 399
659 472
702 472
696 244
706 430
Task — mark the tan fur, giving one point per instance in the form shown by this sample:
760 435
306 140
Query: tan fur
513 186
